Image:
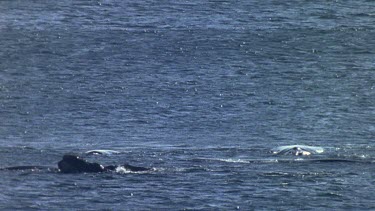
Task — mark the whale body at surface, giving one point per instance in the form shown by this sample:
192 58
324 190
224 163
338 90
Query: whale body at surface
297 150
75 164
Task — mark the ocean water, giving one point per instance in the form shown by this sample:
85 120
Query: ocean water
201 91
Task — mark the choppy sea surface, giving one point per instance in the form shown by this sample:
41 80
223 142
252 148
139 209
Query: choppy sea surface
201 91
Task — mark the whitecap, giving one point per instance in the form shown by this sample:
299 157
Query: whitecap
101 152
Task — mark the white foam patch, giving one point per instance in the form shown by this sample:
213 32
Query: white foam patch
102 151
122 170
230 160
270 161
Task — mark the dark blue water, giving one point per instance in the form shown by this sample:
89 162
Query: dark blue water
200 91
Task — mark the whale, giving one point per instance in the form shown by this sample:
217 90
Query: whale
71 163
75 164
297 150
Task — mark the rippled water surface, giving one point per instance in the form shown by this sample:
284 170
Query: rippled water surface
201 91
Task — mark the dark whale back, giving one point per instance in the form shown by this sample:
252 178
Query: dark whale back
135 168
75 164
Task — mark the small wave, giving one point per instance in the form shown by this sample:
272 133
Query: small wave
275 174
197 169
295 174
30 168
330 194
188 169
232 160
297 160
